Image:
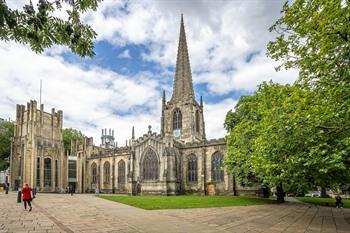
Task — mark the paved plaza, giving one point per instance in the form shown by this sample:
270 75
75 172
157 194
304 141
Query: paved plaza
87 213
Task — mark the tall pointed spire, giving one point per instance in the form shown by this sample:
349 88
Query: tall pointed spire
164 99
183 87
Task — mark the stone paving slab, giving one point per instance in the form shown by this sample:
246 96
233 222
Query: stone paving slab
87 213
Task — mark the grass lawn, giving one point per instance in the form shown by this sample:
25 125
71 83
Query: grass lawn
184 202
323 201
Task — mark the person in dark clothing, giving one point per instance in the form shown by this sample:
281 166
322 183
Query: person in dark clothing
338 202
27 197
71 190
7 188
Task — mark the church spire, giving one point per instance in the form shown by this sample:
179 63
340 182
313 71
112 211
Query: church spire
183 87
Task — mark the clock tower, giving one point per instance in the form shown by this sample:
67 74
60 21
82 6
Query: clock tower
182 117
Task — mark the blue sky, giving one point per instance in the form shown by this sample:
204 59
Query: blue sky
135 61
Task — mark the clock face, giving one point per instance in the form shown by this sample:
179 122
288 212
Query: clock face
177 133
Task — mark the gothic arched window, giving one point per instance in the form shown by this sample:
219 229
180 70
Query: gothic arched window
217 174
197 121
150 166
192 168
106 172
94 173
177 119
121 174
47 172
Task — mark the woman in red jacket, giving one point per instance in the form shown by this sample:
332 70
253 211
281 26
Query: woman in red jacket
27 196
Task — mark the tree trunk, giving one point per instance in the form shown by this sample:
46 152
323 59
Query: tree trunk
280 194
234 186
323 192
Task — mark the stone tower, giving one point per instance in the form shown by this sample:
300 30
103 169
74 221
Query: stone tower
107 139
182 117
37 155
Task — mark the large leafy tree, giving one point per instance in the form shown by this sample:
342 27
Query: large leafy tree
71 135
314 36
277 136
6 134
299 135
39 28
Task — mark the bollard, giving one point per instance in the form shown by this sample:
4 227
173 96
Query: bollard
19 198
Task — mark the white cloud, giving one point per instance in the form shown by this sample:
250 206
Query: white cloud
90 99
125 54
247 77
214 117
220 36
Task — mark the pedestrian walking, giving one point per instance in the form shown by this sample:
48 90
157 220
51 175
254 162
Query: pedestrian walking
7 186
71 190
27 197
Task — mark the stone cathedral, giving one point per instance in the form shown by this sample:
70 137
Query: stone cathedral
177 160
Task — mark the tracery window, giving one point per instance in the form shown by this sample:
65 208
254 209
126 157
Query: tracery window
94 173
192 168
197 121
47 172
177 119
121 174
217 173
106 173
150 166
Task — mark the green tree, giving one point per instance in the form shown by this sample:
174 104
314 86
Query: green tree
314 36
70 135
278 135
38 27
6 134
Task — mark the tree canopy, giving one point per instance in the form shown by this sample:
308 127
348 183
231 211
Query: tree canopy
278 135
39 28
71 135
6 134
298 135
314 36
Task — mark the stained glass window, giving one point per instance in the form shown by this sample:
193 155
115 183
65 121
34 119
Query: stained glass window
192 168
106 173
47 172
217 173
121 174
150 166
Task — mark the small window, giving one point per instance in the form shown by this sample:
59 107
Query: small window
197 121
94 173
177 119
106 173
192 168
